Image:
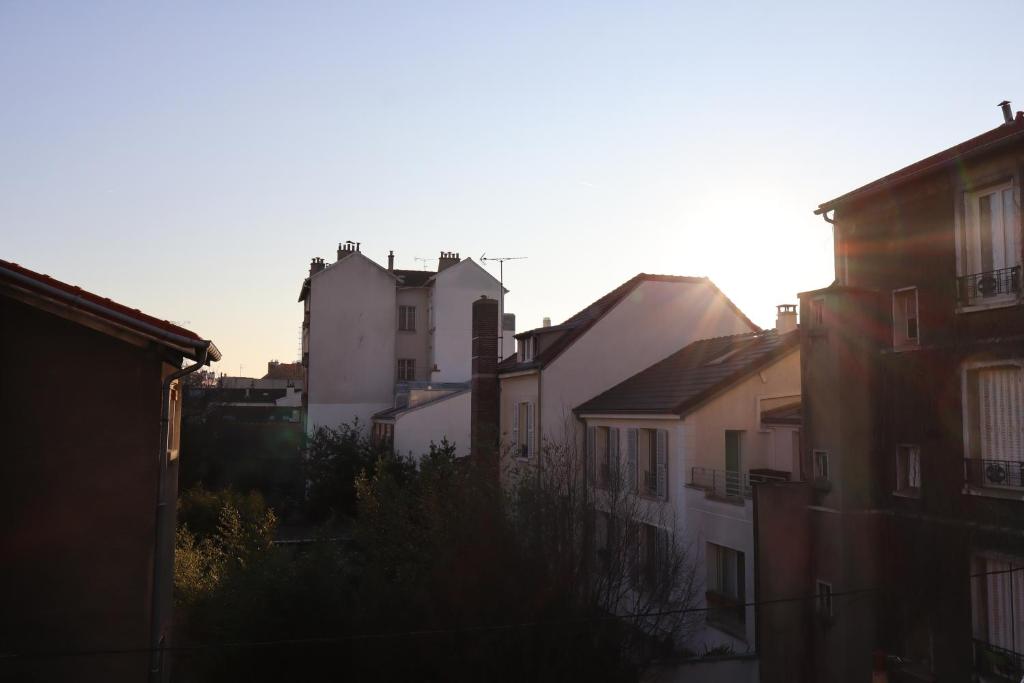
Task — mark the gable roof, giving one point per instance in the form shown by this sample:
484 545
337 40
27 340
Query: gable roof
40 285
577 325
460 264
695 373
413 278
304 292
990 140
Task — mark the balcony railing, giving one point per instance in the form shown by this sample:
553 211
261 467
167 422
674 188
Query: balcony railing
731 484
994 473
981 287
995 661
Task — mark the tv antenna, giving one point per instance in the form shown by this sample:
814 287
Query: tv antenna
423 260
484 258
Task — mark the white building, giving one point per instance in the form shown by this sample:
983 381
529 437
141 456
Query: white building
691 435
381 341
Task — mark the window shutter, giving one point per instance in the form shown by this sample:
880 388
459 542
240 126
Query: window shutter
662 456
632 439
613 454
1000 405
531 449
515 429
591 456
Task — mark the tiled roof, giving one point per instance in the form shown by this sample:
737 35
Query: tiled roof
576 325
413 278
286 371
988 140
101 306
694 373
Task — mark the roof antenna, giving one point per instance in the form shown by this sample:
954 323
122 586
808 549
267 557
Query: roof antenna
423 260
1007 112
501 295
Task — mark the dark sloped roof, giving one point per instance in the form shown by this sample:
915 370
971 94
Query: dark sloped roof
392 413
691 375
286 371
413 278
576 325
101 306
791 414
988 140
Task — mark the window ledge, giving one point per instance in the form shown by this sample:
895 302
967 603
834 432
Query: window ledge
993 492
999 303
910 494
916 346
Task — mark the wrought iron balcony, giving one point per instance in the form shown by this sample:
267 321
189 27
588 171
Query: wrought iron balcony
996 661
730 484
981 287
998 473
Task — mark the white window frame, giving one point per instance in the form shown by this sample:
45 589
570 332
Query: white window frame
528 345
519 429
966 209
825 599
982 582
818 311
406 318
971 450
901 338
906 484
816 471
410 365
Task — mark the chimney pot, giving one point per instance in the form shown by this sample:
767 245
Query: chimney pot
391 260
547 321
785 320
1007 112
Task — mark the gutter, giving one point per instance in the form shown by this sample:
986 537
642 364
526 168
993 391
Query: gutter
200 347
156 612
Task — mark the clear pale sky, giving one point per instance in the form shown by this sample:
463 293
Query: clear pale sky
189 158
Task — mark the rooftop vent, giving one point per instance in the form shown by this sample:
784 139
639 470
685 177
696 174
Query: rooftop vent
1007 112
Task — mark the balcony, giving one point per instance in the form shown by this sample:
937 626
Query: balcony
981 288
1003 474
997 664
727 484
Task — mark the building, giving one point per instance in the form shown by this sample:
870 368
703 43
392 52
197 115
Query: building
692 435
91 407
911 534
557 368
392 347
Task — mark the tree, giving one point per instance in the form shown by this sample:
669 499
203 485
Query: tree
335 459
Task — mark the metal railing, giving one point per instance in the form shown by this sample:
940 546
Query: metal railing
993 660
976 288
729 483
999 473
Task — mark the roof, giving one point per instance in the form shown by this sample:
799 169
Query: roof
993 139
393 413
413 278
680 382
112 311
577 325
791 414
285 371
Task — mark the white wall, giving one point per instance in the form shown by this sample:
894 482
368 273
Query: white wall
449 417
455 289
654 321
352 342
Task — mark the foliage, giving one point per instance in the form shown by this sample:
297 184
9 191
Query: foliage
335 459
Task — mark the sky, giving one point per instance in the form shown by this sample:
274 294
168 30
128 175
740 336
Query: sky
189 158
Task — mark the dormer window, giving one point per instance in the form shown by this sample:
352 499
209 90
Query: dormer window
526 349
988 267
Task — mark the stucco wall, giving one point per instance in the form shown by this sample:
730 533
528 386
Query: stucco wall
655 320
455 290
415 344
435 421
352 341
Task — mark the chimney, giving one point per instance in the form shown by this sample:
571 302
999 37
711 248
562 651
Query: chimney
483 411
316 265
449 258
391 260
346 248
785 318
547 321
1007 112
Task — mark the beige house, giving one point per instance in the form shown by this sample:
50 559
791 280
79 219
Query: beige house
556 368
691 435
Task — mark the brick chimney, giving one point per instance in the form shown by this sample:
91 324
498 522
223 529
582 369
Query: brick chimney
346 248
483 412
450 258
391 260
785 318
316 265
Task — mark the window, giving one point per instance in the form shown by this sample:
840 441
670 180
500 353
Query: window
726 589
652 556
603 456
527 347
406 369
989 263
908 470
522 429
997 611
994 425
820 462
818 311
648 455
174 421
407 318
904 317
824 594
